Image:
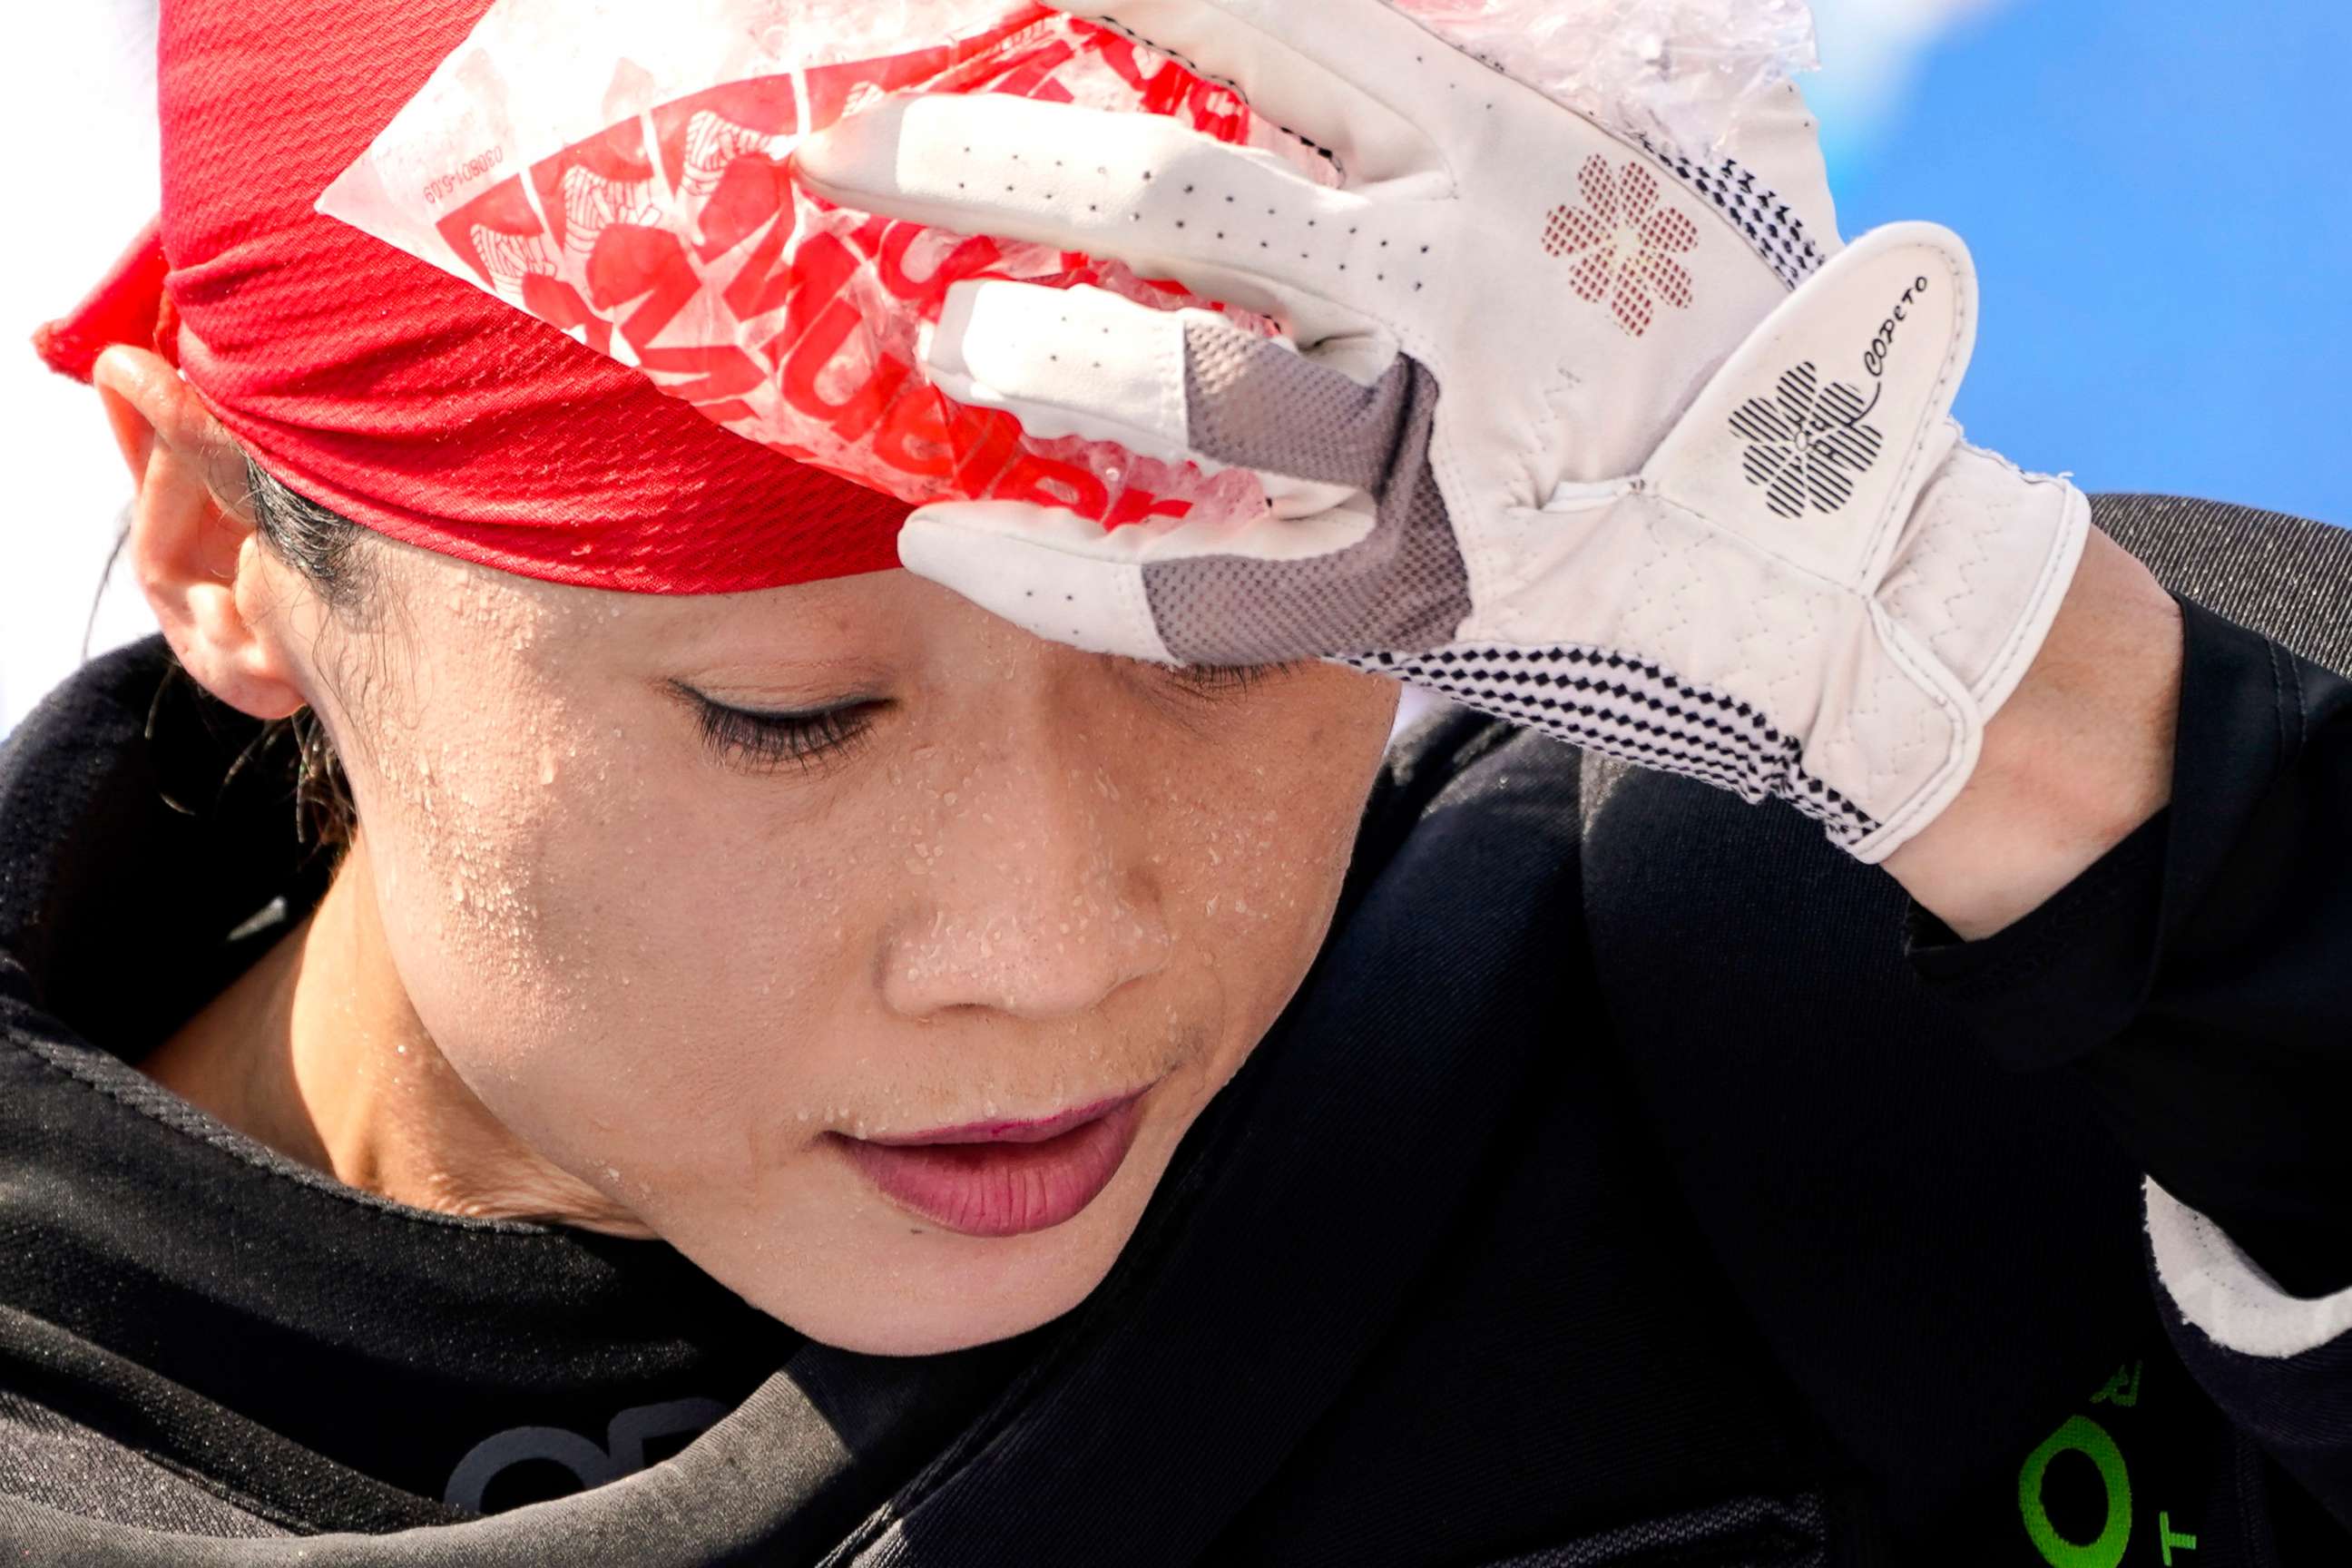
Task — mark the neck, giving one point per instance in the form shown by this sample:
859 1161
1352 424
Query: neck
317 1052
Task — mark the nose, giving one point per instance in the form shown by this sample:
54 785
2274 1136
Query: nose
1035 895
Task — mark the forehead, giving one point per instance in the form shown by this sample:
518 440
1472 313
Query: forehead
465 602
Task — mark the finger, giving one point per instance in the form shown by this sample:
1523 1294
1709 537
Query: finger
1231 224
1357 78
1062 577
1087 362
1380 572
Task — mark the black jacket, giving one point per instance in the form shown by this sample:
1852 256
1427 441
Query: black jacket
1635 1180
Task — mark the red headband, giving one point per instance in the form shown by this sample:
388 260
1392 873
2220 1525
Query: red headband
387 390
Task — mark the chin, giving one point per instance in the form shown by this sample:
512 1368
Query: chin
918 1289
900 1285
943 1317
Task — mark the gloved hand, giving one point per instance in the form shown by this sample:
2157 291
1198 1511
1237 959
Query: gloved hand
1570 429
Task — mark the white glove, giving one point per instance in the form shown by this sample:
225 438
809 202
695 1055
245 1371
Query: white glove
1549 432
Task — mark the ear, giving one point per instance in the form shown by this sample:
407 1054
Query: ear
209 578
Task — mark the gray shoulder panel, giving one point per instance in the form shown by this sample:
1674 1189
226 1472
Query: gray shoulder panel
2286 577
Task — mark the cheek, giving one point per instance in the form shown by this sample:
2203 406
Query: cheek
528 845
1271 818
463 810
668 982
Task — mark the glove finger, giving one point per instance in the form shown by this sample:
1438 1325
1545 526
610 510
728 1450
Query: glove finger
1326 70
1781 140
1234 225
1087 362
1382 571
1773 173
1062 577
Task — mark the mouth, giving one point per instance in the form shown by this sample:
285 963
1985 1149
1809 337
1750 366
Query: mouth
1003 1178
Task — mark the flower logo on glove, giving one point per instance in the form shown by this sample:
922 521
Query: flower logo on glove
1628 242
1811 446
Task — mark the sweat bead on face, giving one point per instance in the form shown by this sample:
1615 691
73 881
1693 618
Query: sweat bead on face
720 963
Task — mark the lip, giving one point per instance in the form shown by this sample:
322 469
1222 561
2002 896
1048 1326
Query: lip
1003 1178
1011 1132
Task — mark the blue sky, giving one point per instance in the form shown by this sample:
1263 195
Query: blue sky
2158 197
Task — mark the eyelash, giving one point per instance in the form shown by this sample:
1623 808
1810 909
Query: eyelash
1218 679
769 742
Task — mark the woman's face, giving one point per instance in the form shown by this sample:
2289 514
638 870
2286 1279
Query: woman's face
709 960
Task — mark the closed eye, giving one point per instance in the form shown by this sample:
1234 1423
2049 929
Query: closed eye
1221 680
759 741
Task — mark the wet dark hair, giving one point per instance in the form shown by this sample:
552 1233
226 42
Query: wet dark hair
327 548
335 556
